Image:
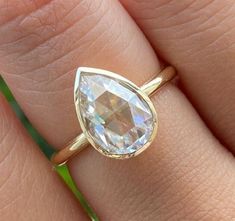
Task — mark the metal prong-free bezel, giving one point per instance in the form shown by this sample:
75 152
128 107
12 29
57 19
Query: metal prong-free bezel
130 85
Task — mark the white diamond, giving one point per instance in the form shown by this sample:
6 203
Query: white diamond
116 117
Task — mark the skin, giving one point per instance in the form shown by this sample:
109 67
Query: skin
187 173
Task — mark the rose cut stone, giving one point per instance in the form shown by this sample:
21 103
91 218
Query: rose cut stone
116 117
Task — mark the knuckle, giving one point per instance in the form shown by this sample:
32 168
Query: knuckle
207 27
53 32
10 9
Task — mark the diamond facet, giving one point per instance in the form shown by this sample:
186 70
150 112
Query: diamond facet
114 114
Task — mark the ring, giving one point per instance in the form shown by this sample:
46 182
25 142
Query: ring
117 117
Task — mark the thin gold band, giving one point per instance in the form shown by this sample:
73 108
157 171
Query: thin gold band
80 142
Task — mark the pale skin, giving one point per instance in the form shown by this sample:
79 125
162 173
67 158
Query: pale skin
188 173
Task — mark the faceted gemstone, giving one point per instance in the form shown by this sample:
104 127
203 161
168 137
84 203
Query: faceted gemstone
117 118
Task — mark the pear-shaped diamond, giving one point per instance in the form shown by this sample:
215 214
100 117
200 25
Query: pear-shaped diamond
113 113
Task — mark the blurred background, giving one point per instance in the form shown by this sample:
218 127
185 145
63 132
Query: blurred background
47 150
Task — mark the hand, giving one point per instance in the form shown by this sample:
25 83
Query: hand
189 171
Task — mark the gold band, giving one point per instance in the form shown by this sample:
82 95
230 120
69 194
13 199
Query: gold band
80 142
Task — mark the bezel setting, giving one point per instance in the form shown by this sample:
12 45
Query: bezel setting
132 86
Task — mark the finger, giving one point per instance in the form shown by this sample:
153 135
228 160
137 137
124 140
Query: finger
184 175
106 49
44 46
198 38
29 189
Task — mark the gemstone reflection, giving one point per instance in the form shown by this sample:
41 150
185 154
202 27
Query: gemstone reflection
116 117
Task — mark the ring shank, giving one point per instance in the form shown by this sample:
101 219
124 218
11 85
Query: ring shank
162 78
80 142
72 148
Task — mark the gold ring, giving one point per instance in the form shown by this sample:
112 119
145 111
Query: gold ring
117 117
